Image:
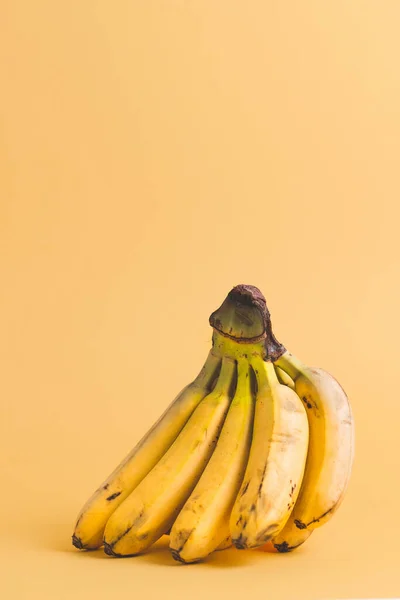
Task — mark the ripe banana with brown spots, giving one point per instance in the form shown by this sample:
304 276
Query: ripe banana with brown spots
203 523
257 450
154 504
330 453
276 463
93 517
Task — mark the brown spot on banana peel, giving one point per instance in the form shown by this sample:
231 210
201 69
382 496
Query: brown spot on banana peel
241 522
259 492
113 496
284 547
307 402
299 524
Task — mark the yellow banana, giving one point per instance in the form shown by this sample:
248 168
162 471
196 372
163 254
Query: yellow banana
203 523
226 543
93 517
256 451
154 504
284 378
276 463
330 454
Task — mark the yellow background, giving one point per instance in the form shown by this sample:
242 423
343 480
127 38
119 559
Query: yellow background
153 155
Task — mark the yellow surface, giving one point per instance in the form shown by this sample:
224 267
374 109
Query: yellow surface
153 155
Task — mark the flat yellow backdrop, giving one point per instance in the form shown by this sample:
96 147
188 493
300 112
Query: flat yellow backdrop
153 155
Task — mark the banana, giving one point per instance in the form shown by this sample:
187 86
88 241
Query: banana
226 543
330 455
256 451
154 504
284 378
203 523
93 517
276 463
290 538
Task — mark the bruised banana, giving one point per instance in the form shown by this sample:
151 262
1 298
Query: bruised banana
276 463
330 453
154 504
203 523
93 517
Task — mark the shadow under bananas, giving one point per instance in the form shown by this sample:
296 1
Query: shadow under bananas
57 538
224 559
158 554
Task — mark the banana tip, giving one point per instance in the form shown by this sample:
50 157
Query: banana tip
109 550
176 556
77 542
240 543
283 547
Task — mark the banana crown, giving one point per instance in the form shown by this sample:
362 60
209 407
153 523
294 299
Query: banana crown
244 318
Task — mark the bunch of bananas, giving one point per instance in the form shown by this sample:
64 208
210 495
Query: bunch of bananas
256 450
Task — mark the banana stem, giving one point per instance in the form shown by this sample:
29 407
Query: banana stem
265 373
226 375
243 387
245 318
292 365
209 371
